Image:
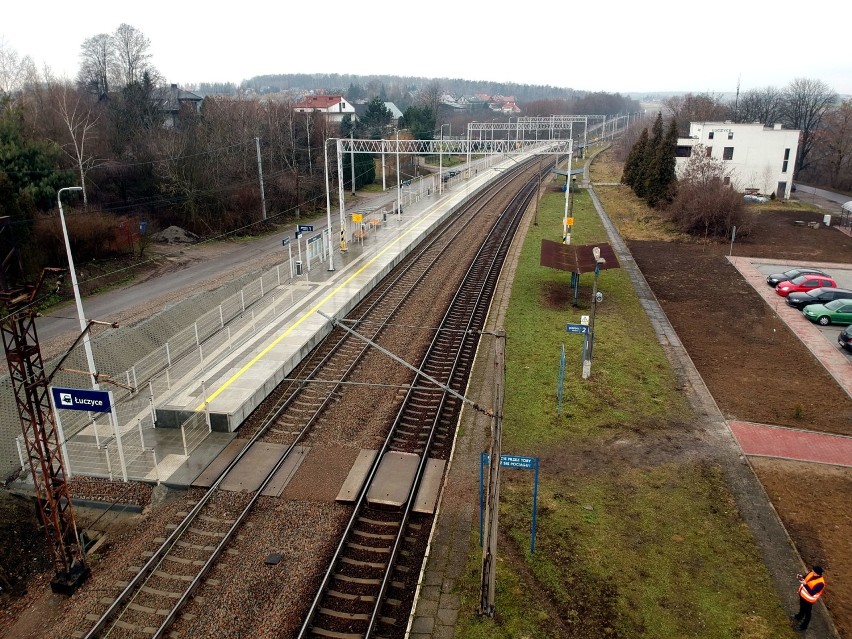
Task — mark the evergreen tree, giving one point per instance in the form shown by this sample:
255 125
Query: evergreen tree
634 160
648 164
667 163
421 122
376 120
365 170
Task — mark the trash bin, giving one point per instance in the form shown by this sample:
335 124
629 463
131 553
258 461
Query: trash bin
298 267
826 219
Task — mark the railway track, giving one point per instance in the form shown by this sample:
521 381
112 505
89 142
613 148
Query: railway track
371 579
156 596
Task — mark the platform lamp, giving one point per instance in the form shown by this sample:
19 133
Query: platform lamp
87 345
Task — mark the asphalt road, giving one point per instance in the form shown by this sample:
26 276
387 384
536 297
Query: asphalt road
827 195
107 306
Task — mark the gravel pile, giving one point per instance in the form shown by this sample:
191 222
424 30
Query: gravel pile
175 235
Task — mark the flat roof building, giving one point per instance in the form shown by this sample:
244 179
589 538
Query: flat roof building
759 159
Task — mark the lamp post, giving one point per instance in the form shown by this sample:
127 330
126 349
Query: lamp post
87 345
398 179
441 162
328 207
587 363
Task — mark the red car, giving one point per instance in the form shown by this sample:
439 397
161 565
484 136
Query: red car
805 283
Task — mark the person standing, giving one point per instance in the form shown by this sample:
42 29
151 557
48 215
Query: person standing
811 588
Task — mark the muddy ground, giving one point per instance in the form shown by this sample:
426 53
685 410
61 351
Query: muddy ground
757 370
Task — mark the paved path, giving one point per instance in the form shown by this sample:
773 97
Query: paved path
763 440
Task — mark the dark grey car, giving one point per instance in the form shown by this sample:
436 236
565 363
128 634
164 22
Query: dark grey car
773 279
817 296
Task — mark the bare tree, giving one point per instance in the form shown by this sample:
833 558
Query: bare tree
14 71
805 103
703 107
132 55
760 105
97 63
705 203
832 149
80 120
430 97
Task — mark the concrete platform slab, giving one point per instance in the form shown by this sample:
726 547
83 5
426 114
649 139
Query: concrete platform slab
427 496
252 469
201 457
355 480
220 463
393 480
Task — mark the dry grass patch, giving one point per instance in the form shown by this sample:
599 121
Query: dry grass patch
605 169
634 219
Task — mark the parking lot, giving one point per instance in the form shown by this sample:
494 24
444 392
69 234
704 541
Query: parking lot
842 273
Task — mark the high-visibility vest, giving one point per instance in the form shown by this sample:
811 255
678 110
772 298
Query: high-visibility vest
811 581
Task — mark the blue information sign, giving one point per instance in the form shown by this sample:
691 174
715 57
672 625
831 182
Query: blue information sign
285 241
513 461
78 399
508 461
580 329
306 228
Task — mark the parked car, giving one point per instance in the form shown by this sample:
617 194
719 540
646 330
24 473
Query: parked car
817 296
805 283
834 312
844 338
786 276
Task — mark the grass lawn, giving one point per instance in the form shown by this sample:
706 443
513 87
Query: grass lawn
638 534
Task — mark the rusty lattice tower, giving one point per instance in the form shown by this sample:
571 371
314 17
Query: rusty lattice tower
41 437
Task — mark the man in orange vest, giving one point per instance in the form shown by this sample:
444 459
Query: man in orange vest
811 587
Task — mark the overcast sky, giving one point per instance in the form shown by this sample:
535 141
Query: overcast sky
656 45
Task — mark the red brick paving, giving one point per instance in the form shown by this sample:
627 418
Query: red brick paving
791 443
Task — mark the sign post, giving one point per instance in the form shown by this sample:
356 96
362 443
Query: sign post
92 401
509 461
286 242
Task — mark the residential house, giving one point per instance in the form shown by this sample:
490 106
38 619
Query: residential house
174 103
335 107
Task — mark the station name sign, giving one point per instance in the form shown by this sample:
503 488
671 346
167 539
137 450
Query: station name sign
93 401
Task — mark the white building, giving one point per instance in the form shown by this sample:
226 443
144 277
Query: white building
334 107
760 159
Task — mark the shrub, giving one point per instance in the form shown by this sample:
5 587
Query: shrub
706 204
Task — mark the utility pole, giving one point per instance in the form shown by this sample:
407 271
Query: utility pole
260 174
352 158
488 579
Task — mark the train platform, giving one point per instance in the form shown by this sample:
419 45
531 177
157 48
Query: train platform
231 383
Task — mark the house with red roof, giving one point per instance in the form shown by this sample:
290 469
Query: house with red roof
334 106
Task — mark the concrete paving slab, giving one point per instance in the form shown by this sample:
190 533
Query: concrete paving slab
220 463
393 479
355 480
253 467
430 487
